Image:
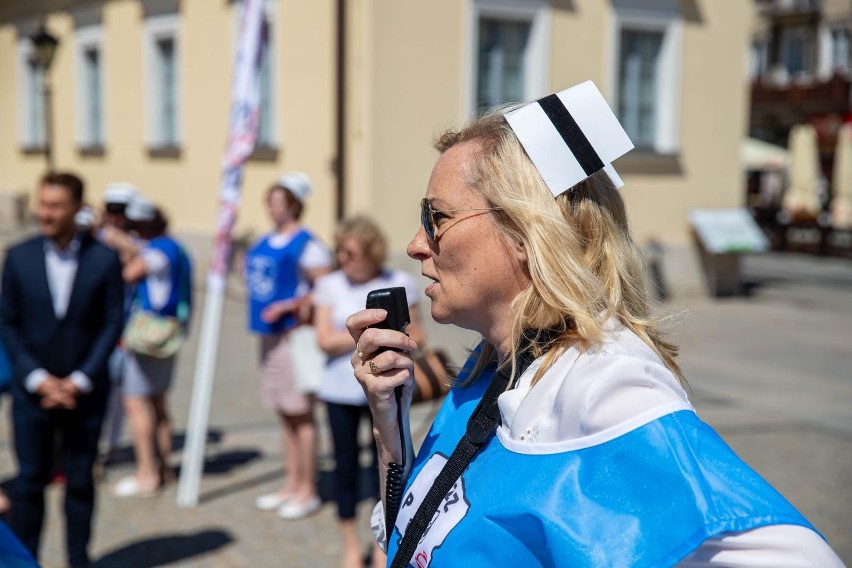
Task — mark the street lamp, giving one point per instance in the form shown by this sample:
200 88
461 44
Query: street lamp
44 46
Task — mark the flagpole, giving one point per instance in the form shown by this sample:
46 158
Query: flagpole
241 138
199 411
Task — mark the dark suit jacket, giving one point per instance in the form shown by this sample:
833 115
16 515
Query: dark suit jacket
84 338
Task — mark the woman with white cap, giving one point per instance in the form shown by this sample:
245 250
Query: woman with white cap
280 270
113 222
163 273
569 439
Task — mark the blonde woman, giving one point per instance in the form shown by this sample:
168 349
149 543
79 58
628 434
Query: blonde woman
598 457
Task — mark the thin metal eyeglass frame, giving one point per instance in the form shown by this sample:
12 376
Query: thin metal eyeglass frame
427 219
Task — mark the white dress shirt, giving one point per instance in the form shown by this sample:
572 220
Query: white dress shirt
61 265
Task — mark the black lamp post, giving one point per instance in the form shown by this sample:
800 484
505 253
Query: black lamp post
44 46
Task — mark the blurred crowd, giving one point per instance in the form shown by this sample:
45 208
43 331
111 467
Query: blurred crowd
93 313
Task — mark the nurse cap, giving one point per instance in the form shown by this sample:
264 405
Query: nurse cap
297 183
570 135
119 193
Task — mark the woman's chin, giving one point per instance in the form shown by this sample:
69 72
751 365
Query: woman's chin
439 315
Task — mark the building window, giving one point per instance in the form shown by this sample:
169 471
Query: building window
647 53
637 85
797 51
163 79
501 62
758 64
31 131
89 77
840 51
266 88
92 80
166 81
509 52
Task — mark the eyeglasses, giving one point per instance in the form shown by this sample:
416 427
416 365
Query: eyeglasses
428 214
348 253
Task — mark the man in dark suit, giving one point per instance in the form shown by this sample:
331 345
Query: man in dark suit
60 318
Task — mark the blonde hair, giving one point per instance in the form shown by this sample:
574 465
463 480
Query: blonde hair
582 261
369 236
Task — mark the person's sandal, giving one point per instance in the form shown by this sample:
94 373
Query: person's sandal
293 510
272 501
129 487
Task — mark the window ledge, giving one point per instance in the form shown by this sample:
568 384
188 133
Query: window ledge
91 151
164 151
33 150
264 153
649 162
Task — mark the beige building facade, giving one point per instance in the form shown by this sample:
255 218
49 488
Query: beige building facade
141 94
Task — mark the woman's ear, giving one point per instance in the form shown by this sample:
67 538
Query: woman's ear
520 251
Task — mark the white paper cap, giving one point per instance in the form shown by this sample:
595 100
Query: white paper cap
298 183
570 135
140 208
120 193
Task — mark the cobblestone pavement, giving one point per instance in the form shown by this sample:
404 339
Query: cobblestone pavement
772 372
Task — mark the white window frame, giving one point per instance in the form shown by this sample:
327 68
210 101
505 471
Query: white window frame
27 139
833 68
758 60
157 28
810 51
665 18
87 38
270 16
537 59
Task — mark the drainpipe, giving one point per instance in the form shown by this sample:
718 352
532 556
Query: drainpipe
340 161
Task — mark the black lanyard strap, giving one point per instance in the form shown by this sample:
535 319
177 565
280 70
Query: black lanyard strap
480 427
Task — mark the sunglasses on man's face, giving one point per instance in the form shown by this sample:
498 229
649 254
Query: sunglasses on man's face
428 216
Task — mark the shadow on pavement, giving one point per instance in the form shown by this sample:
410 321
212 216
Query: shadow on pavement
241 486
162 550
124 455
224 462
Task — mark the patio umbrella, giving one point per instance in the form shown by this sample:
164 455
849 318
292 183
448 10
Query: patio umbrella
759 155
841 182
802 196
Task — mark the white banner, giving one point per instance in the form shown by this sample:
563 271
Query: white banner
242 132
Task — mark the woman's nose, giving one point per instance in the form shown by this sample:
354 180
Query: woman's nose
418 248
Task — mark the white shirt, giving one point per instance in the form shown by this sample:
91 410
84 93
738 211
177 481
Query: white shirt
157 276
61 266
344 298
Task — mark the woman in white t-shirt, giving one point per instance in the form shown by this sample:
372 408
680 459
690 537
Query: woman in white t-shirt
360 255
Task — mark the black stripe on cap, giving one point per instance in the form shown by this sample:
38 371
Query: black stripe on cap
571 133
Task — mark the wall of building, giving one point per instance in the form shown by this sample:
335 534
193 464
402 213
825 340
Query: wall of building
185 185
409 75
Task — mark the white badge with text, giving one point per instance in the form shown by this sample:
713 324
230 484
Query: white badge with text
450 512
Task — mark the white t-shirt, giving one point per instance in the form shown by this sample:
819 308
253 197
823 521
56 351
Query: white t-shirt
335 290
157 268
